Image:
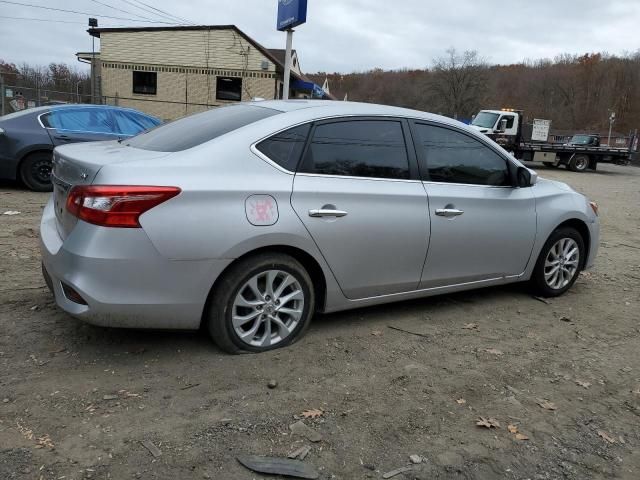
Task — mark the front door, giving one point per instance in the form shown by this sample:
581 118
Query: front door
482 227
358 195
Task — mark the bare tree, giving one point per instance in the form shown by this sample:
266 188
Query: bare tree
459 82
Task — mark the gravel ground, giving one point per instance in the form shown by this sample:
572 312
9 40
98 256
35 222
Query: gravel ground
78 401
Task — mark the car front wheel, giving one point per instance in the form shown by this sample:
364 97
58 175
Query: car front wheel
261 303
559 263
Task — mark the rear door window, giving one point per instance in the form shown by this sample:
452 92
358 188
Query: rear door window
358 148
91 120
285 148
194 130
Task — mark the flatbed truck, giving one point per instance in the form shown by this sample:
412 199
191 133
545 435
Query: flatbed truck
506 128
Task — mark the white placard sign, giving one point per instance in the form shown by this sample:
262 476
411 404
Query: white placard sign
540 131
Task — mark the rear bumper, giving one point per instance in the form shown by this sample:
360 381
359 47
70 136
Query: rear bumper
122 278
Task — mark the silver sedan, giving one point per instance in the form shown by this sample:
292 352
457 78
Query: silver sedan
250 218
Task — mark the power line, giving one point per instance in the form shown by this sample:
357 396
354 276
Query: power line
163 12
161 15
119 9
43 20
83 13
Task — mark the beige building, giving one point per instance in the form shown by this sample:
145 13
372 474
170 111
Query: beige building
170 72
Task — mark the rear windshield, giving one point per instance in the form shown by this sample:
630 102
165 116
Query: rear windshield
197 129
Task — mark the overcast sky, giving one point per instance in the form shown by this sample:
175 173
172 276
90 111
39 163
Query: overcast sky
352 35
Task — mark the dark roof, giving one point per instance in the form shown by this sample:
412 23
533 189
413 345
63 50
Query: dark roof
279 53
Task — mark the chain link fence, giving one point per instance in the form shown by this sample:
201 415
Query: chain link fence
16 98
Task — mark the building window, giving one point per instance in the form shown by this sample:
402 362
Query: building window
145 83
229 88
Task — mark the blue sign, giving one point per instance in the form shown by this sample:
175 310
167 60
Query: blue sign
291 13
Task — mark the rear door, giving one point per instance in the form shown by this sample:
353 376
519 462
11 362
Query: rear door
482 227
358 194
81 124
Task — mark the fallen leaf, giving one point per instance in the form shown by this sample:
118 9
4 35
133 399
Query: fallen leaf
470 326
461 401
376 333
487 422
312 413
604 435
493 351
512 429
521 436
547 405
583 384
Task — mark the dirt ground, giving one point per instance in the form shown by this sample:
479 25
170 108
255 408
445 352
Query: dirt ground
77 401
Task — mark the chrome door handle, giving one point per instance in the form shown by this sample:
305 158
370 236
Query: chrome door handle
322 212
448 212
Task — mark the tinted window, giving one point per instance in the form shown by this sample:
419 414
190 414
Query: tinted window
145 83
365 148
95 120
285 148
196 129
458 158
131 123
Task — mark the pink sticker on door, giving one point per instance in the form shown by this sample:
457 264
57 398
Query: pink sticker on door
261 210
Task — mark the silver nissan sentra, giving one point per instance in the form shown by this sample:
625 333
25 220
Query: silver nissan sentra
250 218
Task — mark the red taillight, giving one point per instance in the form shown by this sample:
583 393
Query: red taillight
116 205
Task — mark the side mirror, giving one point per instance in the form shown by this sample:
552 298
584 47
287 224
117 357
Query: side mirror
502 126
526 177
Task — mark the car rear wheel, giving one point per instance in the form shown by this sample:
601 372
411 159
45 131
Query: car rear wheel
559 263
35 172
579 163
262 303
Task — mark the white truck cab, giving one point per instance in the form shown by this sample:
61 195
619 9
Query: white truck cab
504 122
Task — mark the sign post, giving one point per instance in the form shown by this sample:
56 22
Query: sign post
291 13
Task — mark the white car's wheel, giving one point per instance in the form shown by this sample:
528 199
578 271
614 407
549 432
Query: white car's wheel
559 262
263 302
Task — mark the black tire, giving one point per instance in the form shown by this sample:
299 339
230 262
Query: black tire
35 171
579 163
538 280
221 302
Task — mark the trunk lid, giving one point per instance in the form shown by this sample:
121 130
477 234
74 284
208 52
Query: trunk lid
78 164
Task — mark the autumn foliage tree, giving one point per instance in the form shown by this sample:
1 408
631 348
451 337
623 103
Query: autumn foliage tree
576 92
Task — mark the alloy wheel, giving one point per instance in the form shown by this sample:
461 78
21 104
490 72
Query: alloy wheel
267 308
562 263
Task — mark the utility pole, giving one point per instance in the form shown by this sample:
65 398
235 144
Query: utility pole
93 23
287 64
2 94
612 118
